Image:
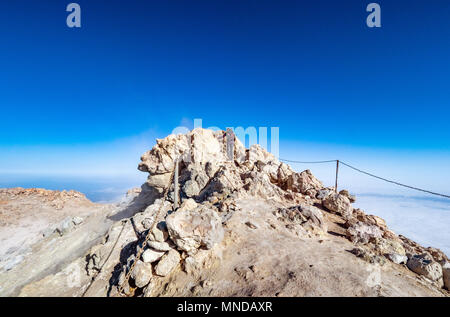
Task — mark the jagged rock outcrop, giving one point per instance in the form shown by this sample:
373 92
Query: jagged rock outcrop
248 225
211 184
304 183
206 170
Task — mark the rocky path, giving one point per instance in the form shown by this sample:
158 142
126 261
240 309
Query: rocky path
52 229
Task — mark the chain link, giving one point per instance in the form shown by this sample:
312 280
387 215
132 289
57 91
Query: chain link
144 244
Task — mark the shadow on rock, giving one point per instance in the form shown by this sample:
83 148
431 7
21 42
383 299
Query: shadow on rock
145 198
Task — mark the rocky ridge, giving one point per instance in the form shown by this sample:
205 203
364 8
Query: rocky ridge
247 225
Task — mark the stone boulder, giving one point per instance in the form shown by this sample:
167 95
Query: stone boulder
159 246
360 232
167 263
392 249
304 183
323 193
446 274
142 273
388 246
309 217
339 204
187 204
159 232
197 178
397 258
150 256
314 215
423 265
190 229
370 219
200 147
350 197
282 174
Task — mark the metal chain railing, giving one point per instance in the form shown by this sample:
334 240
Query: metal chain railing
149 233
106 260
369 174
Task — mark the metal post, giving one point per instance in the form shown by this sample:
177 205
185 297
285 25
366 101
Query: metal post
337 172
230 144
176 187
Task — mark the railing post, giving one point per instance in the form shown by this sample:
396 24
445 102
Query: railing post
337 172
230 144
176 186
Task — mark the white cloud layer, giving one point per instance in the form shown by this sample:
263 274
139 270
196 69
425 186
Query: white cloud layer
423 220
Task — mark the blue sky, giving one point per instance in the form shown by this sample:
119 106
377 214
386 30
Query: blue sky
91 100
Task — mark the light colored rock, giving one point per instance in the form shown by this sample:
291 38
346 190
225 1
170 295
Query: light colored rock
197 178
147 223
314 214
190 229
167 263
12 262
159 180
142 273
304 183
323 193
77 220
191 265
206 147
338 204
188 204
350 197
211 169
309 217
446 275
191 188
151 210
370 219
292 214
437 254
397 258
283 173
48 231
423 266
226 179
159 246
368 256
198 146
160 159
256 153
387 246
150 256
159 232
65 226
363 233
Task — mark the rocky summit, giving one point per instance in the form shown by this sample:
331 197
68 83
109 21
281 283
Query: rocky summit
238 223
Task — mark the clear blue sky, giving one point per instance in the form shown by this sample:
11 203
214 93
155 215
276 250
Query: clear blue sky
312 68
